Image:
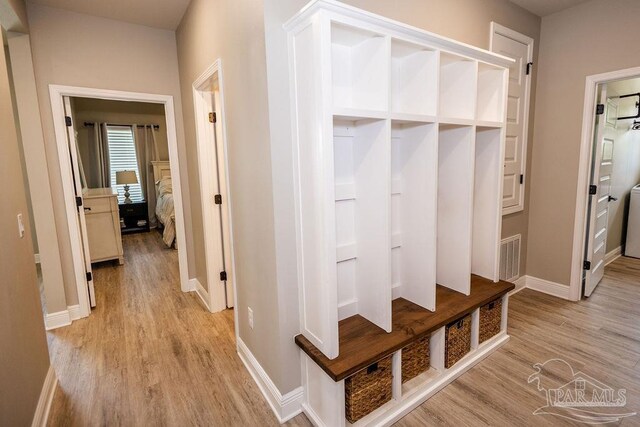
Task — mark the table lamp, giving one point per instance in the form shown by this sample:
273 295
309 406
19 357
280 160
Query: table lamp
126 178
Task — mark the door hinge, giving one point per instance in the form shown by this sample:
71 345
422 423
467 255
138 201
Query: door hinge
529 67
521 179
593 190
78 201
89 276
586 265
599 109
223 276
213 117
67 120
217 199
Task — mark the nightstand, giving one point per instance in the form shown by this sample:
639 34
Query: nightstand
134 217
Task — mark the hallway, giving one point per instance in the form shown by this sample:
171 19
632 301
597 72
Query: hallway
150 354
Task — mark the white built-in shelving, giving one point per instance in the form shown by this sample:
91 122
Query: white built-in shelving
398 140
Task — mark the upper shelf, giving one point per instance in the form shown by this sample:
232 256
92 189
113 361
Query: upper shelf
363 343
344 12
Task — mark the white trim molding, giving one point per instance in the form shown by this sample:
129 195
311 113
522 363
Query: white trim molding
521 283
584 168
546 287
36 258
41 415
284 406
57 93
57 320
613 255
196 286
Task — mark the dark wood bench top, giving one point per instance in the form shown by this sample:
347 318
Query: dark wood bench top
363 343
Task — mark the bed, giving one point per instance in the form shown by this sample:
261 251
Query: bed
165 211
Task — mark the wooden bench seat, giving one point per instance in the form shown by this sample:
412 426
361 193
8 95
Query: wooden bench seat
363 343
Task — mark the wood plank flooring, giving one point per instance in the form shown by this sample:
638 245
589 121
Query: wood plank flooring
151 355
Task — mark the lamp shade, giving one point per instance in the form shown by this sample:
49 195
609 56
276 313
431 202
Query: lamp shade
126 177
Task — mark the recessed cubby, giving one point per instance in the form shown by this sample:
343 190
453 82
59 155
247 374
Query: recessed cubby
487 190
360 68
363 240
456 159
491 92
414 179
414 79
458 76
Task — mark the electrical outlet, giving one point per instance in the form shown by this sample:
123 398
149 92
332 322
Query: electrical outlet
20 226
250 317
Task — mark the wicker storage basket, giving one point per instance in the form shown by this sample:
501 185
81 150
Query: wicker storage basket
415 359
490 319
457 340
368 389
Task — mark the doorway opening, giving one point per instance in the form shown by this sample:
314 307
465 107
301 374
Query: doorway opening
609 171
116 172
208 99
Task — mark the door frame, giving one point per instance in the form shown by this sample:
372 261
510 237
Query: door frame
584 167
56 93
524 39
215 297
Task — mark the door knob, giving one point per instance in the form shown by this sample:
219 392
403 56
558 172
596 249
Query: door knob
612 199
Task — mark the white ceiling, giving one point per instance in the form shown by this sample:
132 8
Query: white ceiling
164 14
547 7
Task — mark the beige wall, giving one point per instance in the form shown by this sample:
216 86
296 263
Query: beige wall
117 112
595 37
76 50
472 24
234 32
24 360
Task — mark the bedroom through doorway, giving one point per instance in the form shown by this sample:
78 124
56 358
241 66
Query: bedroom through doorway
124 171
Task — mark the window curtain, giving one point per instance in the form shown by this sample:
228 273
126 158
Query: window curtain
147 150
100 172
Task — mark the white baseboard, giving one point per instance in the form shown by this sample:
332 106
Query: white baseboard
285 406
37 258
197 287
62 318
521 283
41 414
74 312
551 288
613 255
57 320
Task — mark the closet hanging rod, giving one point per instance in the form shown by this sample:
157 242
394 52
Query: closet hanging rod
90 124
629 95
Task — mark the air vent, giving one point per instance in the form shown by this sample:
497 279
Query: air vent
510 258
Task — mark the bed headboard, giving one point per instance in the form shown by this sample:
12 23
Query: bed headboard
161 169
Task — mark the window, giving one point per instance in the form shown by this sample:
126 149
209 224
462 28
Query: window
122 156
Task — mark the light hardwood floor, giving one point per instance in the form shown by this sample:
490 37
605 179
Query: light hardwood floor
151 355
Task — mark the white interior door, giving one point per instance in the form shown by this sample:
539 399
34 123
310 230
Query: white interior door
600 196
225 229
519 47
77 183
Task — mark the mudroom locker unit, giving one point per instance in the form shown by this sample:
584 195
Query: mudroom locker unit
398 156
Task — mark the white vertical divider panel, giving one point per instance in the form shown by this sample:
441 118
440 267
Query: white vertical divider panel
314 185
456 159
415 154
436 349
487 220
475 328
323 398
372 164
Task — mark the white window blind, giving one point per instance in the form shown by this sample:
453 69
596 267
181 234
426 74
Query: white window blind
122 156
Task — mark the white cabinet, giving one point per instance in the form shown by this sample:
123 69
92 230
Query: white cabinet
398 140
103 224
